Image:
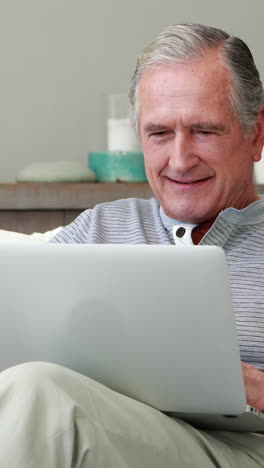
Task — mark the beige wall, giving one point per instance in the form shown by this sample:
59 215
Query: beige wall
59 58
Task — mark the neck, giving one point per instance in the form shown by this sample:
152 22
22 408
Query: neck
199 231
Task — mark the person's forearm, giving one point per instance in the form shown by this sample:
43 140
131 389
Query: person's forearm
254 386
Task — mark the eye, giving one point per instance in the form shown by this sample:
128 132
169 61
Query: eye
161 134
158 134
206 132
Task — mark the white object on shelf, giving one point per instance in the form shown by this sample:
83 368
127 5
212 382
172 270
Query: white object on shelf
259 171
56 171
120 135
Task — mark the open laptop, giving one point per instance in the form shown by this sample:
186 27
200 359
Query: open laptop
152 322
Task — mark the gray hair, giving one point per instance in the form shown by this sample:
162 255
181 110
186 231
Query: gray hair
183 43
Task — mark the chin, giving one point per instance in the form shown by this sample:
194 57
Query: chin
187 214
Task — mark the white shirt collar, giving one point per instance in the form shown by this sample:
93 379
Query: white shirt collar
181 231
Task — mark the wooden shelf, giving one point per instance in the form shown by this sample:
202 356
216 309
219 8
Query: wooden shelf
59 196
40 207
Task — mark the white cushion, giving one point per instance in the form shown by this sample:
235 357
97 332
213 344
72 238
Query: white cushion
10 236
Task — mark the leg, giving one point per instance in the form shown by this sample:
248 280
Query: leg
53 417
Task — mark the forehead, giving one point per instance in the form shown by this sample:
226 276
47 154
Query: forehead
201 87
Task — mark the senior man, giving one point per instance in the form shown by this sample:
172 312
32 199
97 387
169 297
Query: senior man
198 106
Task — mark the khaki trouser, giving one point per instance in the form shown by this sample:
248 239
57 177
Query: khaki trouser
53 417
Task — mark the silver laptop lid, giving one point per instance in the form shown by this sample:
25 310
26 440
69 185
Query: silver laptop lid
153 322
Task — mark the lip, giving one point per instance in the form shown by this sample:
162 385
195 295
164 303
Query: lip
189 184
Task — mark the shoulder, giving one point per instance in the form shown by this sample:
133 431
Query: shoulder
108 218
127 206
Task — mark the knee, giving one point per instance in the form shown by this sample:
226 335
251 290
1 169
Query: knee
43 377
49 386
29 374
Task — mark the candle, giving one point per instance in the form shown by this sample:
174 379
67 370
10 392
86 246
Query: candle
121 135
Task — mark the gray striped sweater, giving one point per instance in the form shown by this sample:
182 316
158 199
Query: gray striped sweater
239 232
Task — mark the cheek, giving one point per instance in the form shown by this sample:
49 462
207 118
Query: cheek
212 147
155 157
215 154
153 166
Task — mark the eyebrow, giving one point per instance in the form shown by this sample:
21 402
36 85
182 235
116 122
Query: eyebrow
152 127
208 126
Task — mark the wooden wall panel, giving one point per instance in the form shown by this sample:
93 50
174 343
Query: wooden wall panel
36 207
70 215
29 221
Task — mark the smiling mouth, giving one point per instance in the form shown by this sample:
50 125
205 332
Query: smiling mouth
188 182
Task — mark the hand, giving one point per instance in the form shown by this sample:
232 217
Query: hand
254 386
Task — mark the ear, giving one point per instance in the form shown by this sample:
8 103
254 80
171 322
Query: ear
257 137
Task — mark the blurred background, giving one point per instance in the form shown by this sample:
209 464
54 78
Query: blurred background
60 59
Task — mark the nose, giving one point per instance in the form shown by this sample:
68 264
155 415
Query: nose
182 154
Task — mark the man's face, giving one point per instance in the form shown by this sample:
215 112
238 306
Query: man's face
198 161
